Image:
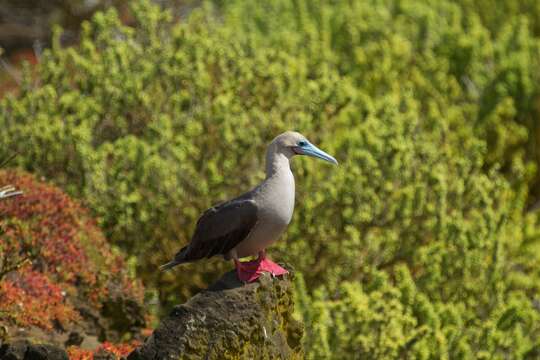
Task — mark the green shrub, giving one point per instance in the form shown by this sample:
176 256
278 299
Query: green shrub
429 106
394 319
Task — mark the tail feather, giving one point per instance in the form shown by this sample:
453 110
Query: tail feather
169 265
178 259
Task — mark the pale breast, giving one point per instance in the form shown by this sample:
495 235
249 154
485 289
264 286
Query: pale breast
275 202
277 199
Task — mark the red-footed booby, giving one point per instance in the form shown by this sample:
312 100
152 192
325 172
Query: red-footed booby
247 225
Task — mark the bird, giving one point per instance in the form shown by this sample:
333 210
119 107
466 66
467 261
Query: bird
248 224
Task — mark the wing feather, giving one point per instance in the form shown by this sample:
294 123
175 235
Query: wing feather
220 229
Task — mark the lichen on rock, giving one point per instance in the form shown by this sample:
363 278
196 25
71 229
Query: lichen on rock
230 320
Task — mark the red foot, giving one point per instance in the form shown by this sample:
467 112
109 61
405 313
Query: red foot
251 270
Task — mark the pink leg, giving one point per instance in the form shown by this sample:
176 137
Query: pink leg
246 270
265 264
251 270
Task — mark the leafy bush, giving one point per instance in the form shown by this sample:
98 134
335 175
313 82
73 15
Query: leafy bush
386 318
53 258
430 107
107 350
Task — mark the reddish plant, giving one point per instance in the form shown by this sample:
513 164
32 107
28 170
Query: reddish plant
51 253
118 350
31 299
76 353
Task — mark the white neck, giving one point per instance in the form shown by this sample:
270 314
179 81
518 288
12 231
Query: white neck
276 162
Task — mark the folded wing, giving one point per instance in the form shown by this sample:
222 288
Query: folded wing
218 231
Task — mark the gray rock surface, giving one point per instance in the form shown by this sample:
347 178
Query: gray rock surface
24 350
230 320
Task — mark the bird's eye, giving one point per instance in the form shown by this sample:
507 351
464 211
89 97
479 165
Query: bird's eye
302 143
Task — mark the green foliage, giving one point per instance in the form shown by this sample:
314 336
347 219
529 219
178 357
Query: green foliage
417 245
394 319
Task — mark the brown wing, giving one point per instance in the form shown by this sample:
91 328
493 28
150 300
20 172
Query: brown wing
220 229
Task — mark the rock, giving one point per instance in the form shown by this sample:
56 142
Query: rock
24 350
45 352
230 320
74 339
14 351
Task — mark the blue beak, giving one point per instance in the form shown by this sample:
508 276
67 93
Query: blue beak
311 150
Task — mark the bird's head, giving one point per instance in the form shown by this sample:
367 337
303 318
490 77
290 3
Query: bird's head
292 143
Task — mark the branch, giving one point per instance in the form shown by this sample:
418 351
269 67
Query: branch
8 159
9 191
15 266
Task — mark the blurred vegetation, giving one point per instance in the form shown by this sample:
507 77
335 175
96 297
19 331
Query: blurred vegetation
423 243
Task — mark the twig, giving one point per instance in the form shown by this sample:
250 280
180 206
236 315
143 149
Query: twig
38 49
19 264
11 70
9 191
8 159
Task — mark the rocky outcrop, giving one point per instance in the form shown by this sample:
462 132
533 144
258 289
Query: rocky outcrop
24 350
230 320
